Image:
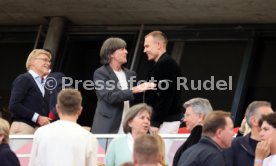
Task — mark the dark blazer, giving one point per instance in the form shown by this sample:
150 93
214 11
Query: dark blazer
26 99
191 140
54 87
8 157
240 153
166 104
205 153
110 103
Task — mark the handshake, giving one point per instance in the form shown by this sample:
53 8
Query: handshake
143 87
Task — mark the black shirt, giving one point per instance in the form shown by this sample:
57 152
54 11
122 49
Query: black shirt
205 153
191 140
253 143
8 157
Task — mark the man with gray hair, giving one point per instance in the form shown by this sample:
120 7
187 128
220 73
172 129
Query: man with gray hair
196 111
243 148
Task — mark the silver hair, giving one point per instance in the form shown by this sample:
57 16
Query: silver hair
252 109
199 105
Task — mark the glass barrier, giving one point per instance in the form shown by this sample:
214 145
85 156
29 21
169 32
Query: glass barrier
22 144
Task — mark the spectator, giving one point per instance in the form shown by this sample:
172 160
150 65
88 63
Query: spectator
162 149
268 142
64 142
136 123
217 135
196 111
146 151
243 148
7 156
244 129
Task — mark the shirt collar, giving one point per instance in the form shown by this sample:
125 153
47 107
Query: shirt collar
33 73
130 142
205 138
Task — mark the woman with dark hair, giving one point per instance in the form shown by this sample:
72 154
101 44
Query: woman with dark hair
268 142
115 87
136 123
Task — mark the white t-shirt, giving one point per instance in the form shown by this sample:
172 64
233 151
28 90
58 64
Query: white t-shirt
123 83
270 161
122 79
63 143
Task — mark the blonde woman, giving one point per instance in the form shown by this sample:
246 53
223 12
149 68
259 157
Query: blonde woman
7 157
161 145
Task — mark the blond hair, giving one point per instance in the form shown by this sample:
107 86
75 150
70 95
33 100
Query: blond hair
161 145
4 129
34 54
159 36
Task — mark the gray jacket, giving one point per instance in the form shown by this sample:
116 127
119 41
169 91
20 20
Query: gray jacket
111 99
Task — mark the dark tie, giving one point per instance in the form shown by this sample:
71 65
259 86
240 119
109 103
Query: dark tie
42 80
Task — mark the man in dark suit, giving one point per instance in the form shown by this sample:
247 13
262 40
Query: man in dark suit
166 102
114 87
29 101
54 85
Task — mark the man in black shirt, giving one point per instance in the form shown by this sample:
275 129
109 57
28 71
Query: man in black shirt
166 99
242 150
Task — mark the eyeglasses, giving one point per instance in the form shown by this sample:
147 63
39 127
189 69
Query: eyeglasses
44 59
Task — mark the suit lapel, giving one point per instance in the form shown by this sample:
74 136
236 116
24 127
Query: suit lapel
128 75
112 74
34 84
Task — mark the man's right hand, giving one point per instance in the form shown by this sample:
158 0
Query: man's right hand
143 87
43 120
